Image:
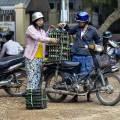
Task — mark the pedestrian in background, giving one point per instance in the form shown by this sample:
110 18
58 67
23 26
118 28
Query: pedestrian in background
11 47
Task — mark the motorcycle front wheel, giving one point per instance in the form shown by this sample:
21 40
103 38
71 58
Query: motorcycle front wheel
18 84
51 80
111 94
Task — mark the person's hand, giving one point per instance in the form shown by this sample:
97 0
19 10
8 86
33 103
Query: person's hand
54 40
91 46
51 27
61 25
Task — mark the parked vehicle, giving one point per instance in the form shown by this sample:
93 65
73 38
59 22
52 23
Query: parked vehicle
112 48
115 56
64 78
12 75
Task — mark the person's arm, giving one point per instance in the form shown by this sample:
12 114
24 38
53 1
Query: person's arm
91 37
2 53
97 38
34 34
98 42
70 30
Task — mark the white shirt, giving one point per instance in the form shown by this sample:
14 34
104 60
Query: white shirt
82 33
11 48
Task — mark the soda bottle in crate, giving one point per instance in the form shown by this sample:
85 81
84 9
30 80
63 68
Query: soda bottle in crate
65 46
58 49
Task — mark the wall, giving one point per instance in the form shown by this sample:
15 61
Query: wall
22 21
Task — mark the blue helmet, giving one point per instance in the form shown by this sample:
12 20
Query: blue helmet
82 17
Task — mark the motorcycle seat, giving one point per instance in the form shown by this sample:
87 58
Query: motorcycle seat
8 61
71 64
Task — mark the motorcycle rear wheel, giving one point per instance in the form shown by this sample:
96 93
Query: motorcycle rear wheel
111 96
51 79
18 84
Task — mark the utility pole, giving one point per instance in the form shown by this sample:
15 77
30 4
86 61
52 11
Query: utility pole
64 10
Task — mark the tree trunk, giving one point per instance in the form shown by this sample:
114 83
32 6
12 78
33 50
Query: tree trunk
110 20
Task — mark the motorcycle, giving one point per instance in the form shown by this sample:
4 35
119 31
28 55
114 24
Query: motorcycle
12 75
63 78
113 50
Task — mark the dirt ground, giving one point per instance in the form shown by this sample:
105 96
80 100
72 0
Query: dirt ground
12 108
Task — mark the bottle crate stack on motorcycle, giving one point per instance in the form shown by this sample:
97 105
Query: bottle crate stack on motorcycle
61 50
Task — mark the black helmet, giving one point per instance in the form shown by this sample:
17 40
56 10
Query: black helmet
107 34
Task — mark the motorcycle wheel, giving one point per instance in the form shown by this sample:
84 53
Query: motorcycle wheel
18 84
111 96
51 80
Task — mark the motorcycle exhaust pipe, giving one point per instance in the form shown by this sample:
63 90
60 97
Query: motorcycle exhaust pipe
48 90
6 82
11 68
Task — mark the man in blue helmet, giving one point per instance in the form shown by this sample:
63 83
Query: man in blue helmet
86 37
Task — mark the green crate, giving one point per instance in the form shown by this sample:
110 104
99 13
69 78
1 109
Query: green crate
61 50
36 99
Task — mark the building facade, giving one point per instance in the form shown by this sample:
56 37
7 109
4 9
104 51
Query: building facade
55 10
16 15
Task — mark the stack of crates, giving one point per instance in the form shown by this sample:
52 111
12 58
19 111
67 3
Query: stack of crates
36 99
61 50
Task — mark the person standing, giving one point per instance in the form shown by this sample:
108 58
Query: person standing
34 53
86 37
